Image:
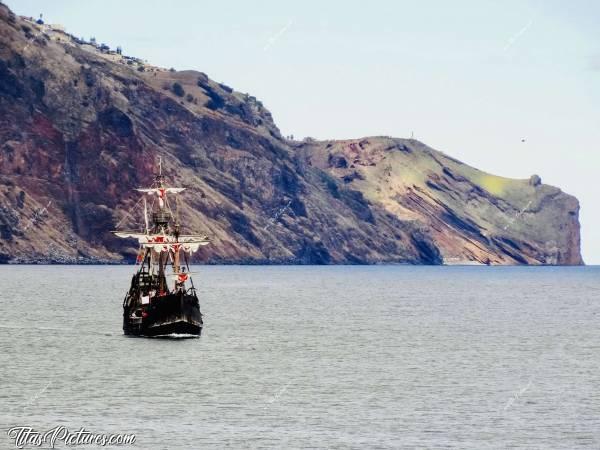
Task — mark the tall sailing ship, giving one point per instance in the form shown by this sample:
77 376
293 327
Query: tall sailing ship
162 299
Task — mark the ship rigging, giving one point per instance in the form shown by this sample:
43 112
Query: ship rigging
162 299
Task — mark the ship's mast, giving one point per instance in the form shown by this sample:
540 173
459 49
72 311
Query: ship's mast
161 221
162 235
147 229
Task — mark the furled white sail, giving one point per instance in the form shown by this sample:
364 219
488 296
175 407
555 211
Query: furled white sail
164 242
181 276
161 191
129 234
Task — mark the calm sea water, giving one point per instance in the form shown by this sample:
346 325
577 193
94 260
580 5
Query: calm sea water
312 357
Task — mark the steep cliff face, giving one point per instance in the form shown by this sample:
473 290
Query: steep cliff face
471 215
80 128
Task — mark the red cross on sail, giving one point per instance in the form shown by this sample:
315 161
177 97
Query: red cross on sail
161 193
182 277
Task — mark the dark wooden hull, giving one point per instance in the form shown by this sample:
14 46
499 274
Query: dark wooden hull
171 314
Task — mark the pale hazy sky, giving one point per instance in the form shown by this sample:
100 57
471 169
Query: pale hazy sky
470 78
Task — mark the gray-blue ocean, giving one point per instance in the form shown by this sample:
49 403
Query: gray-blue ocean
312 357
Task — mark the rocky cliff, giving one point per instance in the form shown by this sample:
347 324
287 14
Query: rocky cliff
82 126
469 214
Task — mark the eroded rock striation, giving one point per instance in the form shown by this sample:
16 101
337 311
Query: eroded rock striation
82 126
469 214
